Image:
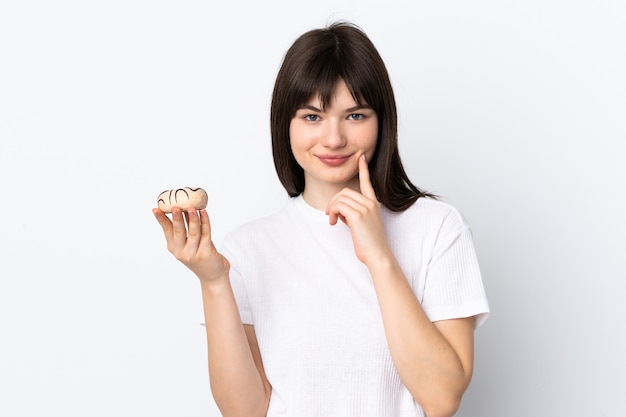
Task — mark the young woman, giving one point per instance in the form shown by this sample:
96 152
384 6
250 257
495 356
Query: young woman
358 298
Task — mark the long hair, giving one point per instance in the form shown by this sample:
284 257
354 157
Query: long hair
312 66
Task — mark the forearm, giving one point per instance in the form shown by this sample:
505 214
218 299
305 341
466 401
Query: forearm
236 383
427 363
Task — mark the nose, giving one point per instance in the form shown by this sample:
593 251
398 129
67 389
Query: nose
334 135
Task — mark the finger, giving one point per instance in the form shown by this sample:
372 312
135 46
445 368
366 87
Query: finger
179 231
164 221
347 194
193 222
344 209
364 179
205 229
332 218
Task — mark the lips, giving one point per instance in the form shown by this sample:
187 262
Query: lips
333 160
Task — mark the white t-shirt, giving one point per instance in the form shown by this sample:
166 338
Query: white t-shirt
315 312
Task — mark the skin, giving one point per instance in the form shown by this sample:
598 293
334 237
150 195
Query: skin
237 378
434 360
343 129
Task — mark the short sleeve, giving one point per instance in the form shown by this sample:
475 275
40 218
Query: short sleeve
453 285
237 283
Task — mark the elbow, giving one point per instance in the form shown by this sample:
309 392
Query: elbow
444 401
241 405
442 408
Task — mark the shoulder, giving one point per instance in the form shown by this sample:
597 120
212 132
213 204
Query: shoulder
430 213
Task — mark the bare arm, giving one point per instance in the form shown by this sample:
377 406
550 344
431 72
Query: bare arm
434 360
236 373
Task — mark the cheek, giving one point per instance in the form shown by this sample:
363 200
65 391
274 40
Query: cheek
300 138
370 138
293 137
296 143
295 134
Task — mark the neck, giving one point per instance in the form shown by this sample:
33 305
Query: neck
318 195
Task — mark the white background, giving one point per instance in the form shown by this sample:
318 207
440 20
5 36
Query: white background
514 112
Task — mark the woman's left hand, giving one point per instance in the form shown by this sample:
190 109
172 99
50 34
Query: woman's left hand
361 212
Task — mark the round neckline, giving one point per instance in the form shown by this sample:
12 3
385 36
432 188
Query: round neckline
308 210
317 217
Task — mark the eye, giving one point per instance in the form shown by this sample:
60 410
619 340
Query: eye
356 116
311 117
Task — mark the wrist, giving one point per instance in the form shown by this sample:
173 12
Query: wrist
383 264
215 285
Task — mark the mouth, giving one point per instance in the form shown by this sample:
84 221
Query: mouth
333 160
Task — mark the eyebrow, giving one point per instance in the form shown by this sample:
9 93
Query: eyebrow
349 110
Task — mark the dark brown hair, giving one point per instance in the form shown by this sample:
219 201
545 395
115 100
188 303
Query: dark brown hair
312 65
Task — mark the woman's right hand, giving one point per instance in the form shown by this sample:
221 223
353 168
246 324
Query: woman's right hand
188 237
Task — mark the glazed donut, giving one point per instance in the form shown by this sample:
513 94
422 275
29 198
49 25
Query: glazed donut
184 198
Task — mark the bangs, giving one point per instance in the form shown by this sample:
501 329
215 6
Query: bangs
319 80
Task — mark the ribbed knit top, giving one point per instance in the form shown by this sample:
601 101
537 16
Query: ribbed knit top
314 307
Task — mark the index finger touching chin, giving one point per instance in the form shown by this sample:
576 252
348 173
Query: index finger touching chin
364 178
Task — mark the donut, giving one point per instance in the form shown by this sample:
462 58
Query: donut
184 198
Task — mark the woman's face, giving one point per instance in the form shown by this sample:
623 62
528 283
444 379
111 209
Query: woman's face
328 143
